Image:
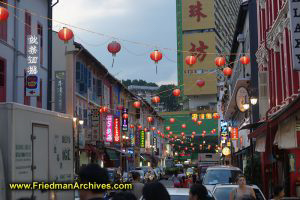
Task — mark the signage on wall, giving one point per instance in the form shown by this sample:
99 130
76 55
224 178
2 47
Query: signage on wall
155 143
60 91
148 140
117 130
95 119
132 142
142 139
32 86
109 131
295 32
234 133
124 121
137 138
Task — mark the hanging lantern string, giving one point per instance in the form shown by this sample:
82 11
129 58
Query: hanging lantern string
131 52
109 36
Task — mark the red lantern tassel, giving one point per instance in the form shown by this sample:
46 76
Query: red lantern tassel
112 65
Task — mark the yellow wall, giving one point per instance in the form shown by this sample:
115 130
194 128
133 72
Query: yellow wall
190 19
206 62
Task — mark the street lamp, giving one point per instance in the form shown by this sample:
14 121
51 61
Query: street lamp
253 100
81 122
74 119
246 105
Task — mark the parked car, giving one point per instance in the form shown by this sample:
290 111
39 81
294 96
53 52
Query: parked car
222 192
142 174
183 194
221 174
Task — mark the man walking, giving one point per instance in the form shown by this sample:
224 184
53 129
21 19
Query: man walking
137 185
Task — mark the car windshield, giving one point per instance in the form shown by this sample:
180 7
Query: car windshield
179 197
110 175
224 193
213 177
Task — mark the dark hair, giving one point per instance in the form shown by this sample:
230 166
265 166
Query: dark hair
277 190
200 191
239 176
93 173
154 191
135 175
124 196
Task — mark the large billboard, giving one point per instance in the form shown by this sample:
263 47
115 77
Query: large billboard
197 14
203 47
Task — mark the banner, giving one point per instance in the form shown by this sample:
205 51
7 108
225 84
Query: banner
117 130
142 139
124 121
155 143
198 14
295 32
234 133
132 142
60 91
109 131
148 142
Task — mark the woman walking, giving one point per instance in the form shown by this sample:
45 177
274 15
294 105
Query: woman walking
243 191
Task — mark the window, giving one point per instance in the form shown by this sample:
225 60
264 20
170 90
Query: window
99 88
40 98
2 80
3 25
40 33
26 98
27 29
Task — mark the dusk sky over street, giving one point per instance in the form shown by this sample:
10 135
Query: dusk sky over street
151 22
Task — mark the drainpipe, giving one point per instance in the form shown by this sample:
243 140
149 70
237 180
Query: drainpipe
49 86
15 61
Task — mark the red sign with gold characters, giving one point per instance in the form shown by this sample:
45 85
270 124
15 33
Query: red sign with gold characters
117 130
234 133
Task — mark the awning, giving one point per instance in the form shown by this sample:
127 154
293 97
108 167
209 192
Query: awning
286 137
252 126
260 145
261 129
112 154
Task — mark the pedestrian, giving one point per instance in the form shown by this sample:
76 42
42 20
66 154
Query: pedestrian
198 192
278 192
124 196
93 173
155 191
176 181
243 191
194 178
137 185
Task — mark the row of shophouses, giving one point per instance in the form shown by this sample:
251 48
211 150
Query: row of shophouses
268 141
72 81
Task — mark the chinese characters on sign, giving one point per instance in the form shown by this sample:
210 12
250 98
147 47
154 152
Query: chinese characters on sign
32 80
125 120
199 52
196 11
109 134
132 142
234 133
117 130
142 139
155 143
194 116
95 115
60 90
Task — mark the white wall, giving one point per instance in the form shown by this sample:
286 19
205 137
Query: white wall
201 100
40 7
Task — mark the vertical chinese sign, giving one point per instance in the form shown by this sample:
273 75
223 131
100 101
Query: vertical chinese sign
124 120
137 138
117 130
148 142
132 140
155 143
32 80
234 133
60 91
142 139
295 32
95 119
109 131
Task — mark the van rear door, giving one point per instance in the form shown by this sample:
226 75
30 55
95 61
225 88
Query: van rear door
2 178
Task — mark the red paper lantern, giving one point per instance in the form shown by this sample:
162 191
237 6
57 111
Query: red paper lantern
176 137
172 120
182 142
171 133
227 71
114 47
153 128
190 60
156 99
162 135
204 132
183 137
245 60
200 83
182 133
186 148
4 14
192 136
145 129
149 119
192 144
183 126
104 109
120 107
137 104
193 148
140 127
65 34
131 126
172 139
168 136
156 56
193 133
125 116
199 123
168 128
220 61
176 92
216 116
158 132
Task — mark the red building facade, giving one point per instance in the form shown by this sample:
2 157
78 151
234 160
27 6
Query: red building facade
278 98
